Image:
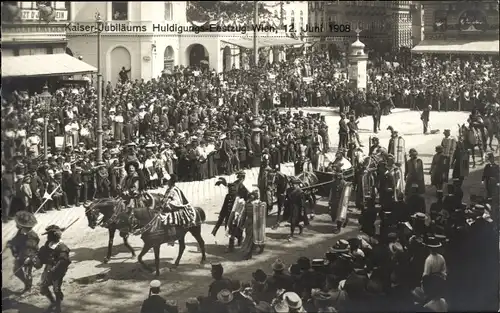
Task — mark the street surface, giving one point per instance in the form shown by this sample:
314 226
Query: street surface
121 285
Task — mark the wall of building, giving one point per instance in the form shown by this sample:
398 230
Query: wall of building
452 11
417 23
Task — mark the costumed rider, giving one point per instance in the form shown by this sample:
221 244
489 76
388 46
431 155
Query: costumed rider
476 122
133 186
233 202
335 199
55 256
24 247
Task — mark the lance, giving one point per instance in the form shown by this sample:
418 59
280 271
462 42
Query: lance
47 198
63 230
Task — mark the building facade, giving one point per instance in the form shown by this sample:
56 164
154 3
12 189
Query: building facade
385 25
25 32
149 37
461 20
417 13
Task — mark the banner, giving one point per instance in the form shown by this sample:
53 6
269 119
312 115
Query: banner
59 142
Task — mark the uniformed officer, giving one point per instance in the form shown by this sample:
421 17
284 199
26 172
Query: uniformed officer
24 247
154 303
55 256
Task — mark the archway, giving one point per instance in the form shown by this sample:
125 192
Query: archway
197 53
119 57
68 51
168 58
226 59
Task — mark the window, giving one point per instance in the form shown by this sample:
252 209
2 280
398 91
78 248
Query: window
169 12
301 22
119 10
50 50
16 52
301 13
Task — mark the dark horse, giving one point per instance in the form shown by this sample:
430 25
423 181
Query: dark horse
280 183
148 221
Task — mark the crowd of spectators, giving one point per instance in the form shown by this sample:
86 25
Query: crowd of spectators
409 267
198 124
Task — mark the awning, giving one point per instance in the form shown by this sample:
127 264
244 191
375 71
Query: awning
457 47
44 65
247 43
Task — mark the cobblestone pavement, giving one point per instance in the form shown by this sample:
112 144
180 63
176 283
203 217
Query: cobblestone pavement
121 285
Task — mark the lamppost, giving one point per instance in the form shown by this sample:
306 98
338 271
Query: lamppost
99 24
256 49
46 98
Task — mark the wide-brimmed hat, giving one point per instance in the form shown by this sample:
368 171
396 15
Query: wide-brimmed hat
25 219
241 174
133 163
225 296
53 229
155 284
432 242
341 246
292 300
259 275
278 265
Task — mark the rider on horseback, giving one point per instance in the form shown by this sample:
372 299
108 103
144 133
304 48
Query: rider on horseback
477 123
133 186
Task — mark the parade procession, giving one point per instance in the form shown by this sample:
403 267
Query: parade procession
249 157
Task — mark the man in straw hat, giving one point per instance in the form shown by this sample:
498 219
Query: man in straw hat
24 247
154 303
55 256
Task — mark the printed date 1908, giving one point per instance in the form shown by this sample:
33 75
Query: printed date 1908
336 28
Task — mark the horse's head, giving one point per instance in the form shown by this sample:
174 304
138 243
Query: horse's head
95 209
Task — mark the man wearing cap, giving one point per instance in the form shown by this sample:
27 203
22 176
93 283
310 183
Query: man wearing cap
438 171
491 177
24 247
154 303
425 116
55 256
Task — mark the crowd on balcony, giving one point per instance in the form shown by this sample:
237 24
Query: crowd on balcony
199 124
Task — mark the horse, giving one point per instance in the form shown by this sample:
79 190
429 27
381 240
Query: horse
153 232
492 125
471 139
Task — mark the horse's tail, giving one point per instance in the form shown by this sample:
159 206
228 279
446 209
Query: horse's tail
201 214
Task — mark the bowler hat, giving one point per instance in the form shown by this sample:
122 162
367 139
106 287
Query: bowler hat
278 266
25 219
259 276
217 267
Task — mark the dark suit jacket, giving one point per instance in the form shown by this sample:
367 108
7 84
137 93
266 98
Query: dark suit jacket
154 304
